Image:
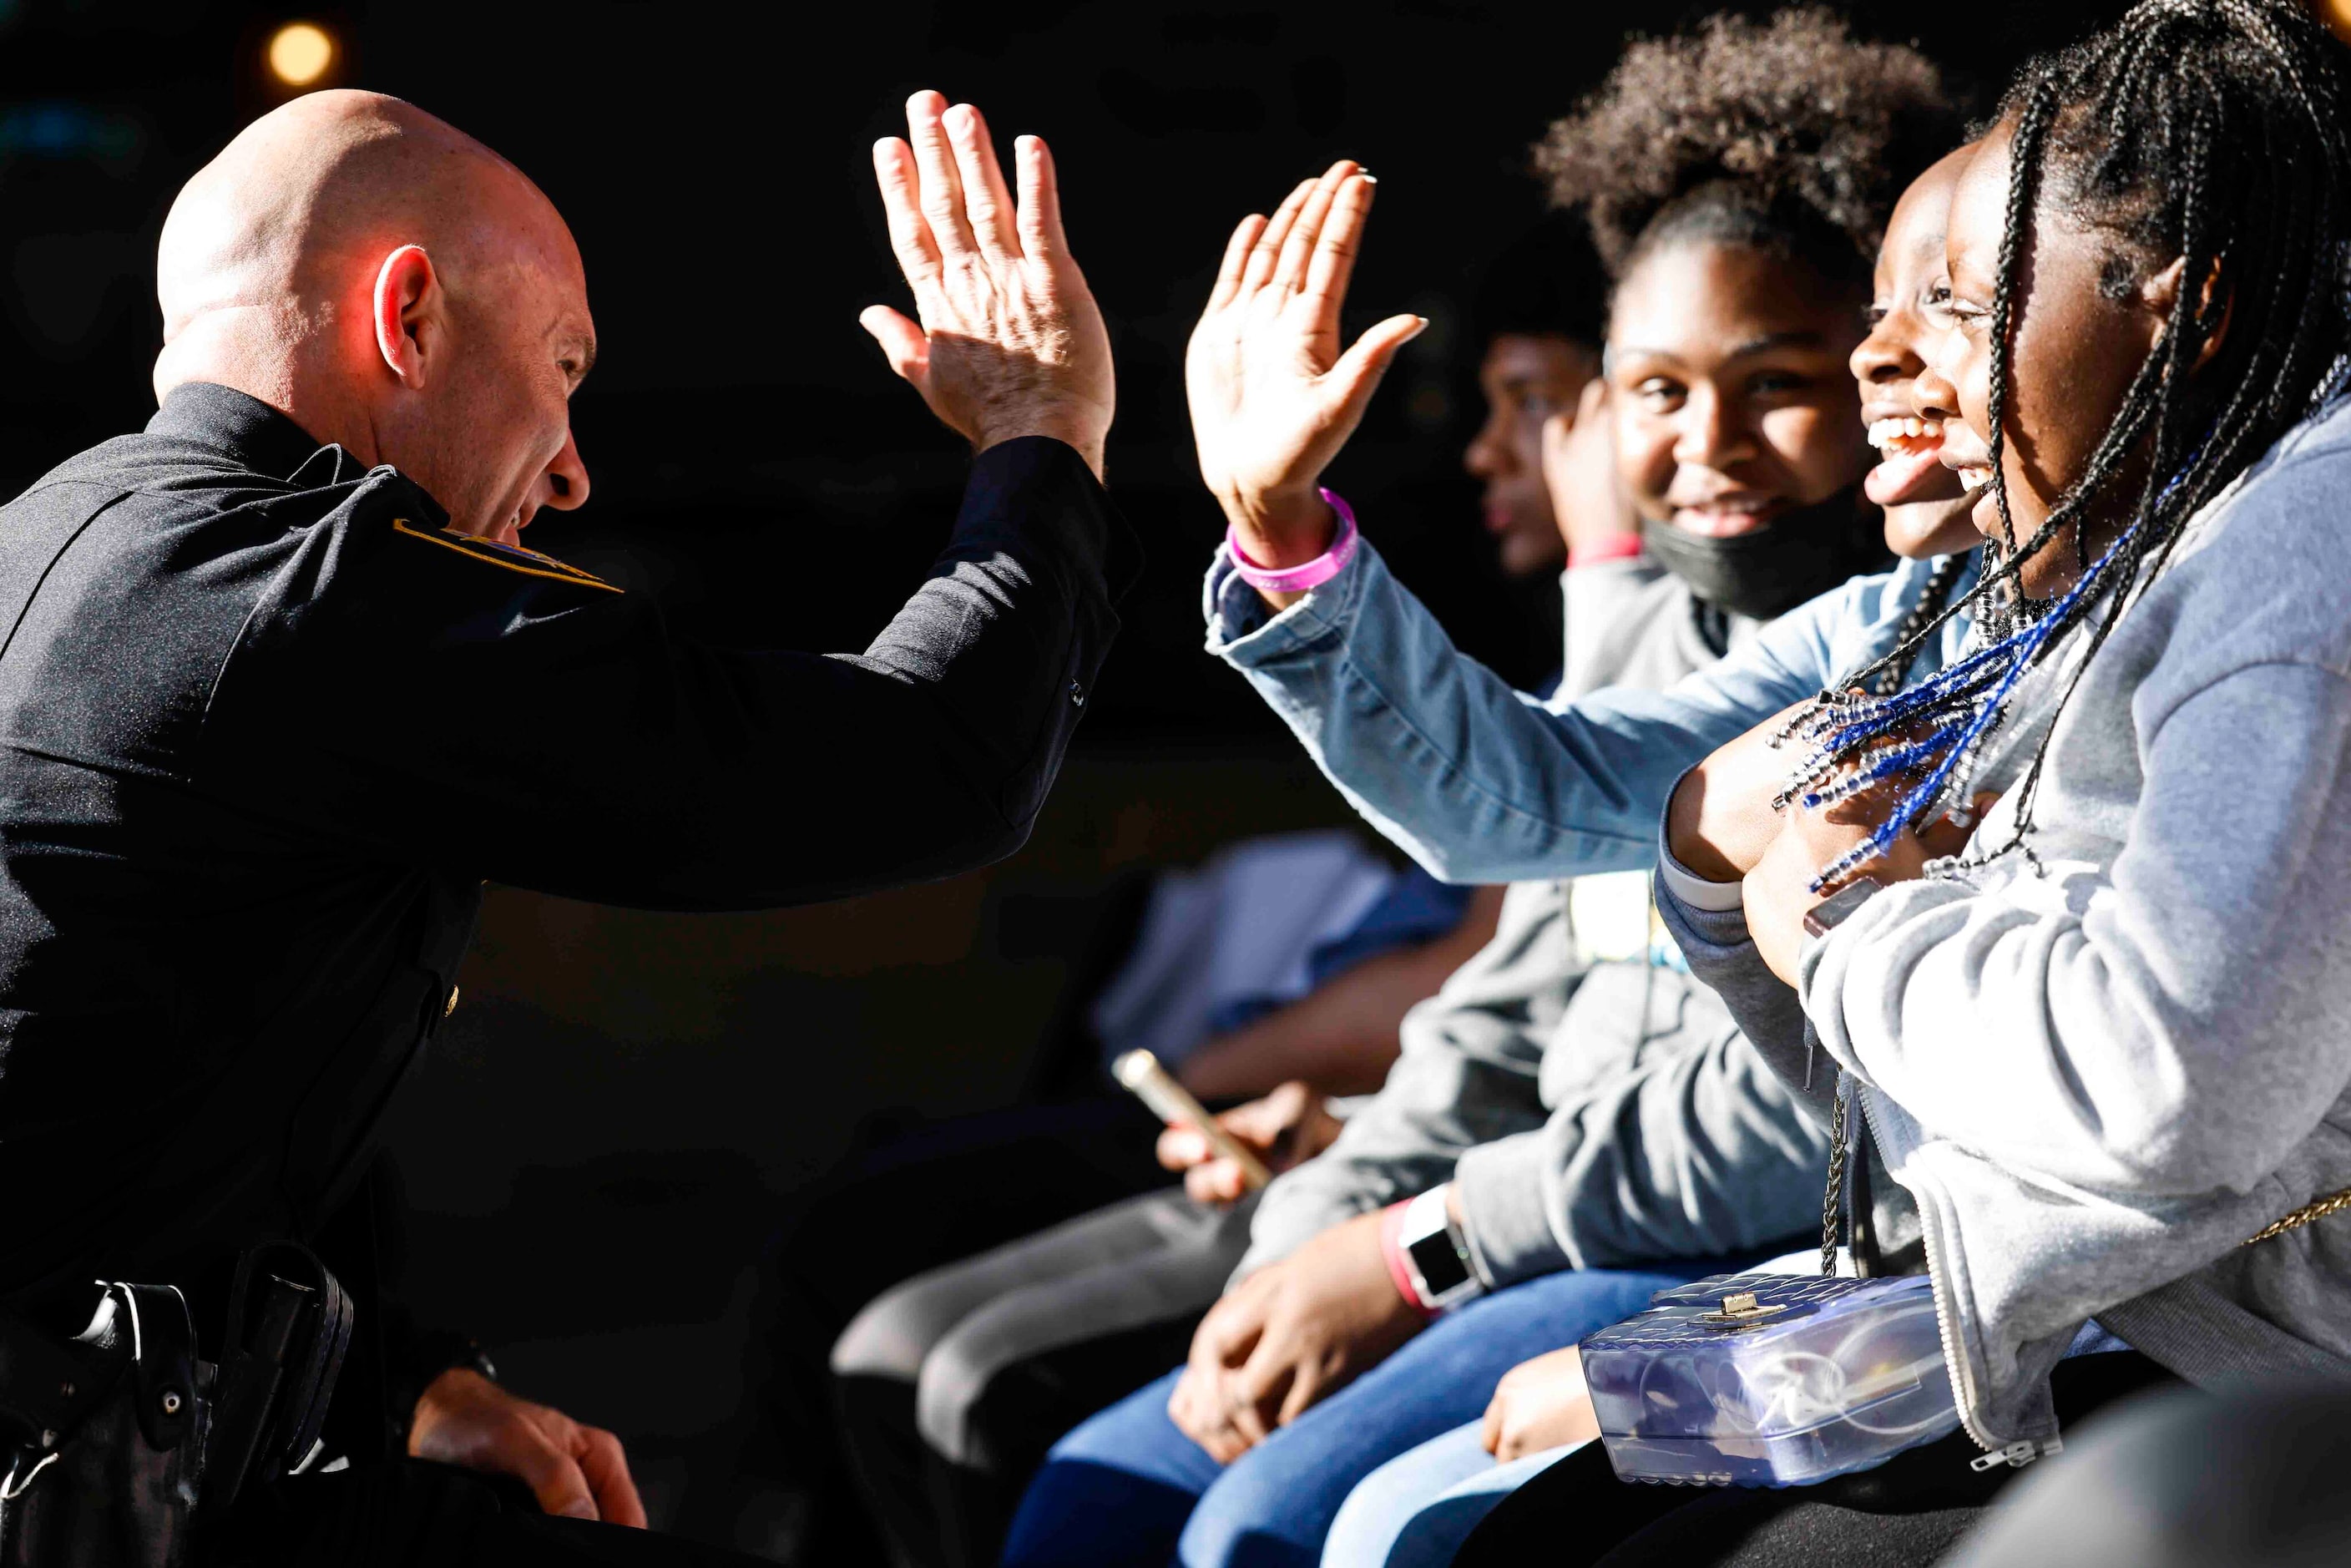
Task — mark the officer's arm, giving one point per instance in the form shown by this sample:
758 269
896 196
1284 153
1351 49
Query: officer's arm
519 722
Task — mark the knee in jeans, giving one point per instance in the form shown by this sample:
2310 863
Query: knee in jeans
1248 1518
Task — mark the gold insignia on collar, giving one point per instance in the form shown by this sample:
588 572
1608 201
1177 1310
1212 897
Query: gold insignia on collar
511 558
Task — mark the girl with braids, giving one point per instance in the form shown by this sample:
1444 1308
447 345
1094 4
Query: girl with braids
2107 1049
1415 1510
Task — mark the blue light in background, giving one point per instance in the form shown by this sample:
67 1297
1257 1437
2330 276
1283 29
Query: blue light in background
61 128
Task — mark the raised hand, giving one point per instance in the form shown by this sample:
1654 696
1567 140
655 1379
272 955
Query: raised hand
1009 341
1274 395
1588 497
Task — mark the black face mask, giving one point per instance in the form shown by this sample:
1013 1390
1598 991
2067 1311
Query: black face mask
1769 571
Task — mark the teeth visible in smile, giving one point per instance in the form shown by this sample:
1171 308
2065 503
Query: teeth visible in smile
1905 436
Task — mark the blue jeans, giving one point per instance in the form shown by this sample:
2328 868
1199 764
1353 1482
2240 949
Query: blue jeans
1126 1488
1415 1510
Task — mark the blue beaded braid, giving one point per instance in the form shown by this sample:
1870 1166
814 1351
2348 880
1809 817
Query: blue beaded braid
1953 741
1974 691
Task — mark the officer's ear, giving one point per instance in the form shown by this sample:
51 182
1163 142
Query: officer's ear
410 319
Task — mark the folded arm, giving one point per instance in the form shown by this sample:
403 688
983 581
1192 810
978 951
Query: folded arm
2170 1025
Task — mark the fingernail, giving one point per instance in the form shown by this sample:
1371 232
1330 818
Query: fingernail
579 1508
1368 177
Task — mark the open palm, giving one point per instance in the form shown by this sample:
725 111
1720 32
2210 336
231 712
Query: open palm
1274 394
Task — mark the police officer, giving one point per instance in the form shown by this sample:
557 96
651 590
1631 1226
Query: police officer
280 685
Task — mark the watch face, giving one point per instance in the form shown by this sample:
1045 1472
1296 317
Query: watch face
1440 1265
1831 912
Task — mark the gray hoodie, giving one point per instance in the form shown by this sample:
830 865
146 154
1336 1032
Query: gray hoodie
1595 1110
2099 1079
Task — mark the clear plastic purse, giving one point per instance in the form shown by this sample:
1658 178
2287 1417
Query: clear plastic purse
1771 1380
1784 1380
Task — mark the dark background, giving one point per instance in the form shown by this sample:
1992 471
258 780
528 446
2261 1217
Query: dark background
624 1100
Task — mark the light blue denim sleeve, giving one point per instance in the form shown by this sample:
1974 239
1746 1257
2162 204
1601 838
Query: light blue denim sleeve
1481 783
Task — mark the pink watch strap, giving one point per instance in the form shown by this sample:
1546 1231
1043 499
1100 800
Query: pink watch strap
1400 1266
1617 546
1313 573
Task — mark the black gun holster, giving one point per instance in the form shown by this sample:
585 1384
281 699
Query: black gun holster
119 1444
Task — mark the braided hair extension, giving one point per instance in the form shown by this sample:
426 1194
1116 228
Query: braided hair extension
1926 607
2209 131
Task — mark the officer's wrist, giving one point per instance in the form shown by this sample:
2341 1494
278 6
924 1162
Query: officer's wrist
1072 428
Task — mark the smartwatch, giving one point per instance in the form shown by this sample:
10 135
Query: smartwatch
1839 907
1437 1253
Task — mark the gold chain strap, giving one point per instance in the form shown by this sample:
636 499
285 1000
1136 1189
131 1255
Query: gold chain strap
2317 1208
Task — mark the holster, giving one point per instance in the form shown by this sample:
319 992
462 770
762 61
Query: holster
105 1436
121 1443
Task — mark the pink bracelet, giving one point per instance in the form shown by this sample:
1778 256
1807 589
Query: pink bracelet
1391 1253
1617 548
1315 572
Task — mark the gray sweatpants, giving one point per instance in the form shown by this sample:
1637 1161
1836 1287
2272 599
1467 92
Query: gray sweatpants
952 1333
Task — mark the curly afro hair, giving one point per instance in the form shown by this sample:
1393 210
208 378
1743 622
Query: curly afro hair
1790 134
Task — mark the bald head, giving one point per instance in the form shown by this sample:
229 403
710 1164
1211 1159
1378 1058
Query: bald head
395 287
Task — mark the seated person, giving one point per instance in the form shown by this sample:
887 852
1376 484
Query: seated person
1590 1139
1415 1510
975 1183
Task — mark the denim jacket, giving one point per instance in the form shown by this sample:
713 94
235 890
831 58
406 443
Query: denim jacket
1482 783
1595 1104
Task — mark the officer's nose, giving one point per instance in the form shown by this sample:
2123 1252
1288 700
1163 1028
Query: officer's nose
567 477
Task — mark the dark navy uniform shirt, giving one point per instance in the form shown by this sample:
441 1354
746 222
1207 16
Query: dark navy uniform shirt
266 726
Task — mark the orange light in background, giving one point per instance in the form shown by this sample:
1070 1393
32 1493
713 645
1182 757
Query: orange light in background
300 53
2337 14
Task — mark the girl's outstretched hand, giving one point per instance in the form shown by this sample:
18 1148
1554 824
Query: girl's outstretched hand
1273 395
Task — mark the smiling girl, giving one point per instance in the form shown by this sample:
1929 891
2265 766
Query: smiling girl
2105 1049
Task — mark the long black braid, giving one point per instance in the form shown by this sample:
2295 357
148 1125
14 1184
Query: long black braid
2211 131
1924 611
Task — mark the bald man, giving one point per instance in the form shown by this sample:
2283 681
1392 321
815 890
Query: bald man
280 687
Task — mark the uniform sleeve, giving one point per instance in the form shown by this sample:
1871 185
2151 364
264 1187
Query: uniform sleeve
503 716
1476 781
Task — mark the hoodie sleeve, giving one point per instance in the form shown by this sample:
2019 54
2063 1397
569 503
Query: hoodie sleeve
1468 1074
1693 1152
2168 1024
